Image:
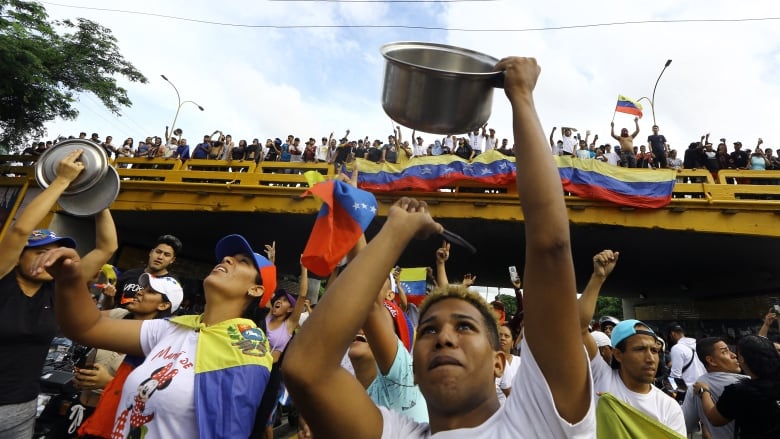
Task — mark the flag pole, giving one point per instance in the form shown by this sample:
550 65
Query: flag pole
613 115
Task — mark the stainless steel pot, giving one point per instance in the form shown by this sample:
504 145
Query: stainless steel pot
96 187
437 88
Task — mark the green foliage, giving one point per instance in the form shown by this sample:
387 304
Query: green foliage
609 306
45 64
510 303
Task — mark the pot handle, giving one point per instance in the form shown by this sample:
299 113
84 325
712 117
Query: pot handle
497 80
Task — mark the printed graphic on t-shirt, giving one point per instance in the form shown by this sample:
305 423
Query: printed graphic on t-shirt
139 416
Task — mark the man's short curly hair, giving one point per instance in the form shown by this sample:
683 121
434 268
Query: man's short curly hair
458 291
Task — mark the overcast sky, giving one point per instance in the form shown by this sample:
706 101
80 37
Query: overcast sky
266 83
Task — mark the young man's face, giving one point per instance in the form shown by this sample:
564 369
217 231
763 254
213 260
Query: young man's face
655 129
454 362
639 359
160 258
722 359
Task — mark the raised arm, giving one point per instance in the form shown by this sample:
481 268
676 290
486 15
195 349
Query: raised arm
603 264
295 316
332 401
442 254
770 317
16 236
614 136
517 320
636 131
550 290
106 243
77 315
552 133
380 335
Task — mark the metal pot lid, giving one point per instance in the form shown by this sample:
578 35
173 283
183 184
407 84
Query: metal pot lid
441 58
94 158
92 201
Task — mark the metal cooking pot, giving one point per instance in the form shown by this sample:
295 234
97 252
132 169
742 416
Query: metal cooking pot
437 88
95 188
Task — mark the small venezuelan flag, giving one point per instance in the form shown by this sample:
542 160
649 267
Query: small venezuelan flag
628 106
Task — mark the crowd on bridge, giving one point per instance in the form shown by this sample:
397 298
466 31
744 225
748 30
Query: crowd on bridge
656 152
362 361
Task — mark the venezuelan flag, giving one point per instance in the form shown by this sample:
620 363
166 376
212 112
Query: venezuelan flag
346 212
413 283
629 106
588 178
232 368
430 173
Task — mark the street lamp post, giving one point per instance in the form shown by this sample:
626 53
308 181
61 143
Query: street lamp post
180 104
652 99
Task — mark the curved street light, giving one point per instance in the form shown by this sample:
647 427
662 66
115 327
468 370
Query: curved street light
652 99
180 104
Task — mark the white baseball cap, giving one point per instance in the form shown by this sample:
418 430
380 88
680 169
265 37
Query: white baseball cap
601 339
164 285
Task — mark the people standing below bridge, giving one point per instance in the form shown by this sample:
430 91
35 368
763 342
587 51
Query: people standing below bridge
204 375
477 138
27 314
722 370
456 354
685 364
658 147
751 403
160 258
627 157
635 355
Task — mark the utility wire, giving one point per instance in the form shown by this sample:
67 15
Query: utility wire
430 28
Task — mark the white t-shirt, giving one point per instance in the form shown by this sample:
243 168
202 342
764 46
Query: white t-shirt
529 412
569 144
491 143
656 403
505 382
612 158
420 150
476 141
583 154
158 398
681 354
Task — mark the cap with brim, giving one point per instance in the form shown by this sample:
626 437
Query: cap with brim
164 285
282 292
601 339
235 244
625 329
43 237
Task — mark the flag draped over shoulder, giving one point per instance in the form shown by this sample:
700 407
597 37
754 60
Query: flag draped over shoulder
433 172
629 106
344 216
618 420
588 178
413 282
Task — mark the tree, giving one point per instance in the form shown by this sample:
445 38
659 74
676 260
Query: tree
609 306
42 70
510 304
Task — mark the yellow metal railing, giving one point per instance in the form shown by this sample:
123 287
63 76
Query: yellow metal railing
692 186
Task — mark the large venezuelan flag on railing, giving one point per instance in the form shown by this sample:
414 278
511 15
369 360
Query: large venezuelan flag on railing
430 173
586 178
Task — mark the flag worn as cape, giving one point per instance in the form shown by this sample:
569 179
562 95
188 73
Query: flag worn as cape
401 324
413 283
345 214
618 420
628 106
232 367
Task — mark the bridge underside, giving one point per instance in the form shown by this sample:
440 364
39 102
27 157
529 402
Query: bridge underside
654 263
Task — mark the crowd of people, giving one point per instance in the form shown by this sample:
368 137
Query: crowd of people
362 361
655 153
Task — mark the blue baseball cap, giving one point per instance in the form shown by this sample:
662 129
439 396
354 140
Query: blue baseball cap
41 237
234 244
625 329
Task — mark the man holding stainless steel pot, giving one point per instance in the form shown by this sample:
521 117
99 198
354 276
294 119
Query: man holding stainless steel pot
456 351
